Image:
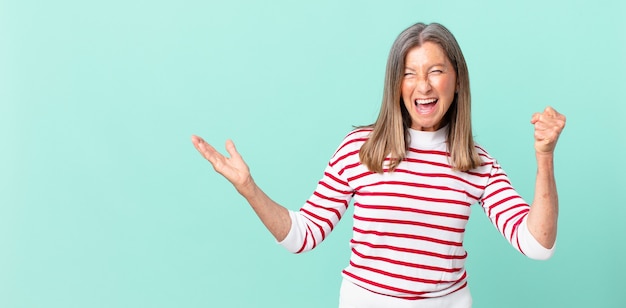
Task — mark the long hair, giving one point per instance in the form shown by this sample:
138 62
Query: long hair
390 132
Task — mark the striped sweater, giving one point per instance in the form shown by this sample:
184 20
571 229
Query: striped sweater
409 224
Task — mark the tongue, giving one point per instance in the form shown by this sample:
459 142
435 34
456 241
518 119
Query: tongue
425 108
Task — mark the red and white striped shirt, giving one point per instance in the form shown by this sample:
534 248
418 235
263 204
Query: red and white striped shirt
409 224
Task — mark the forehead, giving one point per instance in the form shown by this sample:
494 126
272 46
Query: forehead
427 54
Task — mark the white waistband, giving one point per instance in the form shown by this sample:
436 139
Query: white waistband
353 296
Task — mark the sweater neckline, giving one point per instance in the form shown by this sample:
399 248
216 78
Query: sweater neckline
424 138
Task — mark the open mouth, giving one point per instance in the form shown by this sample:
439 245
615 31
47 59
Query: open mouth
425 106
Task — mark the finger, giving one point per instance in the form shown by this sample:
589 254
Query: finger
208 151
549 127
197 141
540 125
546 134
232 150
546 123
550 112
201 146
549 115
211 154
536 117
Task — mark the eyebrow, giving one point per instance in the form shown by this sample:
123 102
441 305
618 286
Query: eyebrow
429 67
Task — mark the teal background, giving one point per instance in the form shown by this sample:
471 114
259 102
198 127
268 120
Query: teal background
104 202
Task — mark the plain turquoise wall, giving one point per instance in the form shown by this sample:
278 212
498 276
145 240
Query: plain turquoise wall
105 203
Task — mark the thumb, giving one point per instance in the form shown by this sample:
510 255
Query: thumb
232 151
536 117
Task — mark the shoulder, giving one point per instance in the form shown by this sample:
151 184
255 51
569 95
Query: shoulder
351 143
359 133
355 138
485 157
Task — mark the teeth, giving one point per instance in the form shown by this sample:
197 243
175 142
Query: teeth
425 101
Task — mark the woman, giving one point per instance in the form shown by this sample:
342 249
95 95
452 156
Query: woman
413 175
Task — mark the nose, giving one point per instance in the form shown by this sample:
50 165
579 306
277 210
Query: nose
423 85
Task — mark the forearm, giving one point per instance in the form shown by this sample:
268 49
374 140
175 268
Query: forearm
274 216
543 215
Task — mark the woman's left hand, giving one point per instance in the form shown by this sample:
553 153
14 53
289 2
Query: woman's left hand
548 126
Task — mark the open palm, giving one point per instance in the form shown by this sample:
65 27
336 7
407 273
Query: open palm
233 168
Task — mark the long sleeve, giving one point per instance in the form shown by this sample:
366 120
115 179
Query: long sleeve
508 212
323 210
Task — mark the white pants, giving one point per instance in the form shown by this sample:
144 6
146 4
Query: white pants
353 296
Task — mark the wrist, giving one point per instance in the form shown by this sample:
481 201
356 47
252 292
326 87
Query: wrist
247 188
545 160
544 155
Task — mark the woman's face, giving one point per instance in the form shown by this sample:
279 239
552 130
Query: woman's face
428 86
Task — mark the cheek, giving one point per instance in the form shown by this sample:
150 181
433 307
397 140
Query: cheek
406 88
446 86
406 91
